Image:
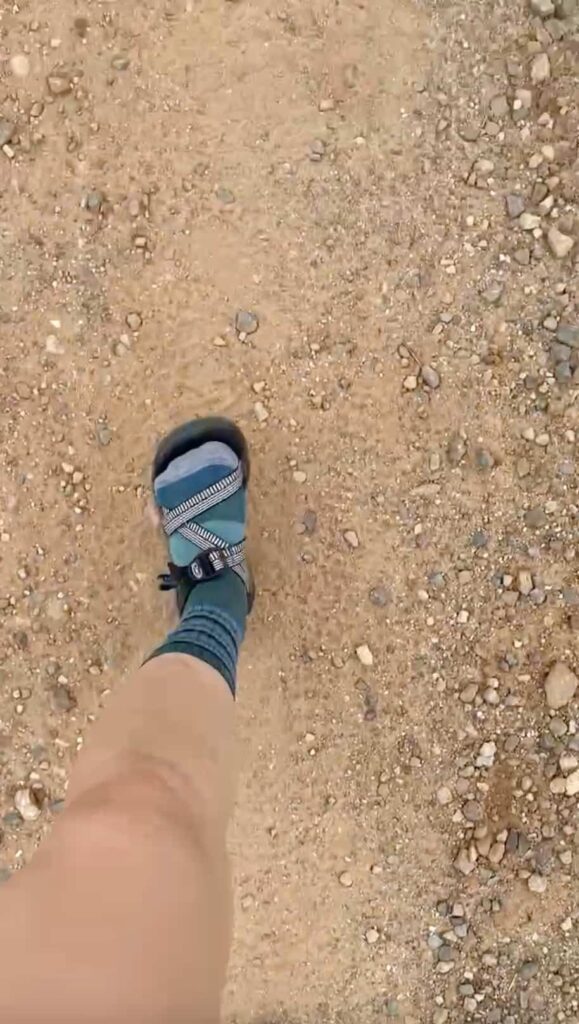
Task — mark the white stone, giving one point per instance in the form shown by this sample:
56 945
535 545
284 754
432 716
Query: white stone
559 244
26 805
364 655
572 784
20 65
560 686
540 69
544 8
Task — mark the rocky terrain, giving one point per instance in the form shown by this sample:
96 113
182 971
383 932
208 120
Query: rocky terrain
354 228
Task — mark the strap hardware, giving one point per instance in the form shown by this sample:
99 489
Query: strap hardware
206 566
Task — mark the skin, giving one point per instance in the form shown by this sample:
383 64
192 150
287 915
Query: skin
124 914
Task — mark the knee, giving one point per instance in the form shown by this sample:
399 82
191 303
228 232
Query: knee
141 795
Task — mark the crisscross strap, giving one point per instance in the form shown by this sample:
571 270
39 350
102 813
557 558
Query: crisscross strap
174 518
216 555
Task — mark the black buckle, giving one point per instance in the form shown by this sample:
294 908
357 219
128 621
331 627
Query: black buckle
206 566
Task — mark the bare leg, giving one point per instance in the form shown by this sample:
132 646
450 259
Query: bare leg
124 913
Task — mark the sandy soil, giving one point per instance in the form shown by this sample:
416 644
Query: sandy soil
346 172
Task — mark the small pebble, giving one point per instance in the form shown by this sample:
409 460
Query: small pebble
246 322
515 205
540 68
261 413
559 243
364 655
134 321
572 784
26 805
560 686
380 596
351 538
20 65
58 85
430 376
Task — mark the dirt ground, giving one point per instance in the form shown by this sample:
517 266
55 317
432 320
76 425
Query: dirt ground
392 188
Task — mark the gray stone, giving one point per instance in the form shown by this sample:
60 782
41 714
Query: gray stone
58 85
317 150
566 8
430 376
473 811
63 698
535 518
120 62
522 256
437 579
512 841
555 28
310 521
246 322
93 201
499 106
569 335
484 459
446 954
7 129
560 353
493 293
456 449
104 434
528 970
225 196
544 8
380 596
479 539
563 373
515 205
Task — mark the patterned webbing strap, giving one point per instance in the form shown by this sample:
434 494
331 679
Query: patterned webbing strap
216 555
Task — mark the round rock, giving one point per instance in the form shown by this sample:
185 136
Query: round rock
246 322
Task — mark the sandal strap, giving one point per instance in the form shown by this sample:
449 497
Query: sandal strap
206 566
176 517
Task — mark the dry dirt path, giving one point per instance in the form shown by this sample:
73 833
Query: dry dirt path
391 190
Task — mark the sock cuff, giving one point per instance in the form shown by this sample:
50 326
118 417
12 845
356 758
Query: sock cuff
210 634
196 614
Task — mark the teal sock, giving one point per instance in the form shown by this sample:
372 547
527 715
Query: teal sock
212 625
202 501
